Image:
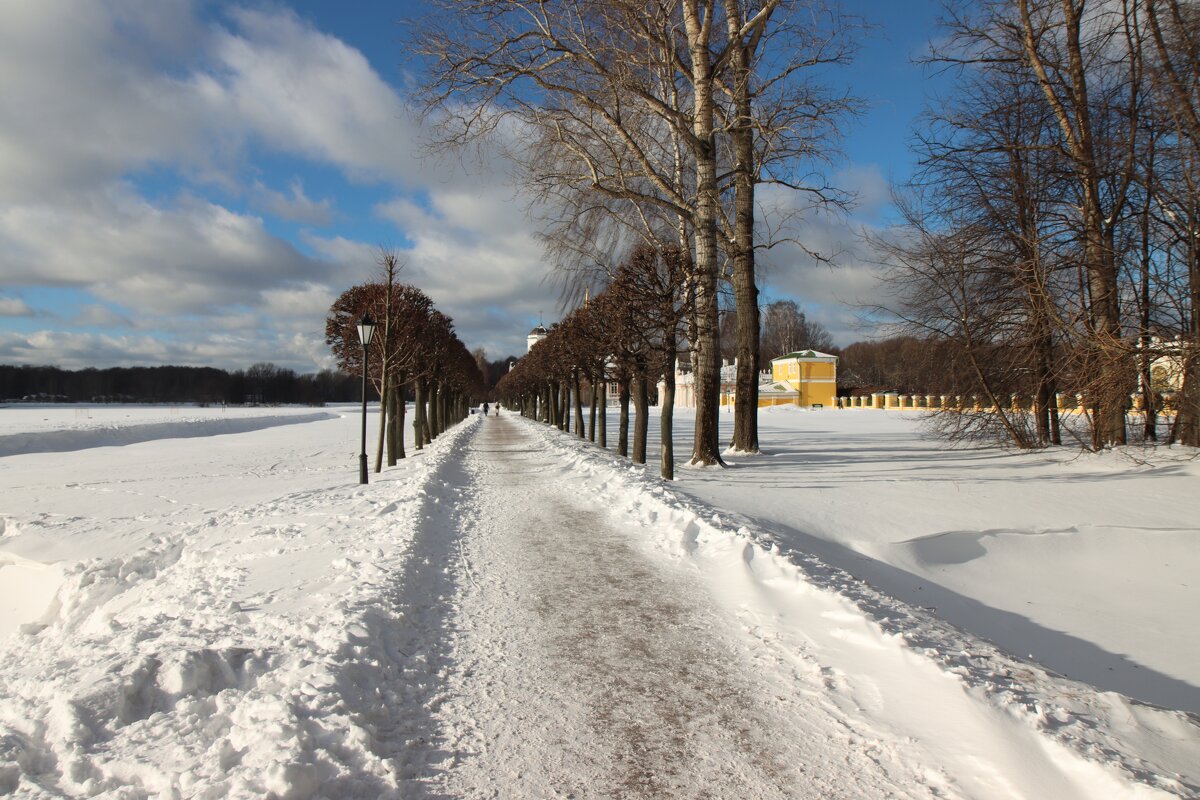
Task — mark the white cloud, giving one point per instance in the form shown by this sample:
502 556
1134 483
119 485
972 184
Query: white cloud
358 257
99 316
872 192
80 350
95 90
88 96
406 214
295 206
476 255
838 291
194 256
98 92
311 94
14 307
300 309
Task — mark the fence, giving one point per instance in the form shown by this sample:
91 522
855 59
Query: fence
1066 403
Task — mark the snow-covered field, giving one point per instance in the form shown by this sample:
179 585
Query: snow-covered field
1089 564
231 614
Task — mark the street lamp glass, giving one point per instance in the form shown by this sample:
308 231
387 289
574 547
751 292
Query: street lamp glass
366 329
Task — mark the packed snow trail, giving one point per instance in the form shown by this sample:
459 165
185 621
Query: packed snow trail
583 663
623 686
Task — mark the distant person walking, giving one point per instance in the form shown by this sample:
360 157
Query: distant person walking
485 409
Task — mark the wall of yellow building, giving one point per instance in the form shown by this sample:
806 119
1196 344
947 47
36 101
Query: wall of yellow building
793 371
823 394
816 381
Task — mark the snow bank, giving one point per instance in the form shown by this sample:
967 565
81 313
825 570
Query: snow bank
240 630
1121 748
1083 562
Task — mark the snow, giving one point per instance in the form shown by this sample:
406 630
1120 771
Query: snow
50 429
217 609
1085 563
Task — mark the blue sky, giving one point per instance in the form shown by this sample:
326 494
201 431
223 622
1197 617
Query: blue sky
195 182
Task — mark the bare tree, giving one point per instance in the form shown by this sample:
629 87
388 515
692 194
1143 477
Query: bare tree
585 66
648 287
625 103
416 343
782 126
1059 42
989 161
787 329
946 289
1044 185
1174 29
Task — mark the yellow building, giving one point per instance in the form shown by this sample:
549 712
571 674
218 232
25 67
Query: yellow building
804 378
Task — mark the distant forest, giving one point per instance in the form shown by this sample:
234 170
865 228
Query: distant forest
260 384
903 364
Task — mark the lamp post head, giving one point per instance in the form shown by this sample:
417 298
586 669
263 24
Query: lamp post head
366 329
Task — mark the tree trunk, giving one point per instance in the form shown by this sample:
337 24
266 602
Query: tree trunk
431 414
395 438
578 403
745 290
667 412
1112 368
641 417
432 421
400 412
1041 414
1071 108
383 415
443 410
1149 407
592 408
1187 419
706 356
1047 397
602 434
418 414
623 420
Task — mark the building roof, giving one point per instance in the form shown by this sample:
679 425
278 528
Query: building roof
804 354
539 331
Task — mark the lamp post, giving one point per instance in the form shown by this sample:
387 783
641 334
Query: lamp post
366 329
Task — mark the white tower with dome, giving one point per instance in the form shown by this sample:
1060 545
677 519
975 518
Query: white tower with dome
535 336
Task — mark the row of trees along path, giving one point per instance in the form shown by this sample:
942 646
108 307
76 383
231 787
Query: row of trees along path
652 121
627 334
1053 236
414 348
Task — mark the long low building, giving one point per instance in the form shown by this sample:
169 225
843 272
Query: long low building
804 378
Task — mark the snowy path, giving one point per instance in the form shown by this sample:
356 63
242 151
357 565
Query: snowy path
584 663
624 685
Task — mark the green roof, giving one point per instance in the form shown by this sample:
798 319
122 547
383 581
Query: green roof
804 354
